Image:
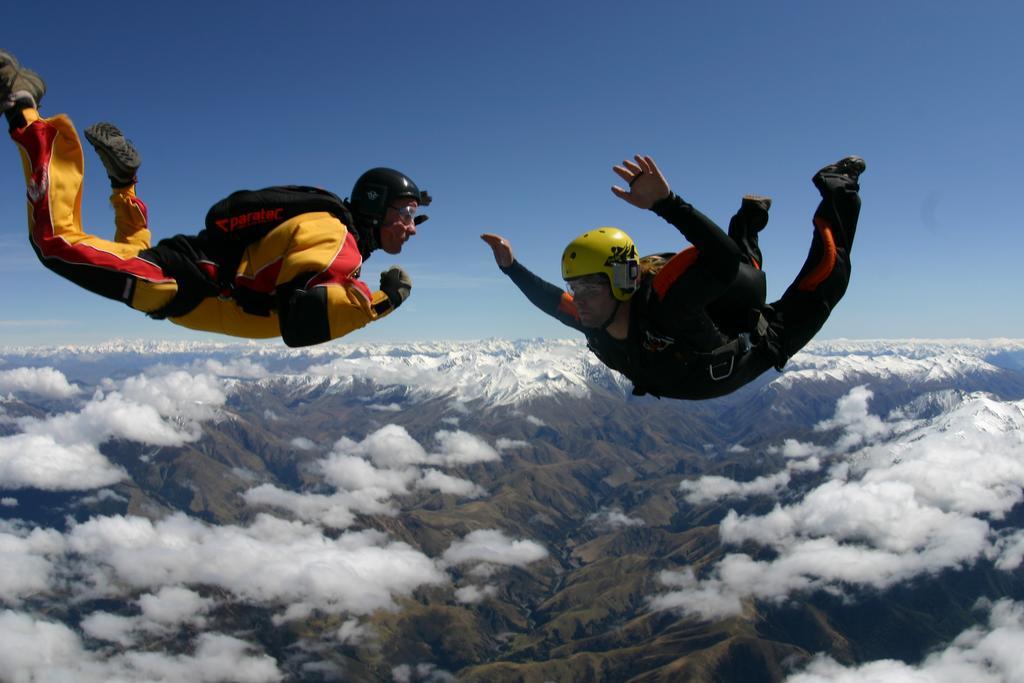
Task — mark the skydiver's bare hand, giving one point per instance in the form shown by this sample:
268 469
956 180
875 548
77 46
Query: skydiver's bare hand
646 183
502 249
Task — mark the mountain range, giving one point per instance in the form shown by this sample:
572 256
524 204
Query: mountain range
508 511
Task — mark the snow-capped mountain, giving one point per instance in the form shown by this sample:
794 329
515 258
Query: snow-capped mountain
501 373
502 510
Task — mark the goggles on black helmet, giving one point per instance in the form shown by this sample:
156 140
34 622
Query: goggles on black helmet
376 189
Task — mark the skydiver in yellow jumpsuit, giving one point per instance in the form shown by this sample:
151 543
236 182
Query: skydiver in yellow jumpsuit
299 281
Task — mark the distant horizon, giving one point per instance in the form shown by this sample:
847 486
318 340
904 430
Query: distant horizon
343 342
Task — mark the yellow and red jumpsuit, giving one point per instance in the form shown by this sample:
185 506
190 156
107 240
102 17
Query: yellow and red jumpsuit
307 267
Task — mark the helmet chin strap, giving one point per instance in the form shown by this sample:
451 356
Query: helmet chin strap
367 235
611 317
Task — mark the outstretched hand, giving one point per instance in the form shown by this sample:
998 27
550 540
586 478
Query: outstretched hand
396 284
501 248
646 183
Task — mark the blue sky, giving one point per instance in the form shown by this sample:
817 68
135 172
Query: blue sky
512 116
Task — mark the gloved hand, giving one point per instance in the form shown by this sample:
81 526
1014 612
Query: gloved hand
397 284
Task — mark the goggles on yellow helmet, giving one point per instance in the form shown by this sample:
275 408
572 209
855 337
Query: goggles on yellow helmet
608 251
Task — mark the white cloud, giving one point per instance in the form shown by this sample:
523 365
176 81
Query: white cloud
351 632
463 448
536 421
367 474
245 474
238 367
217 657
26 560
435 480
160 613
485 570
852 416
176 393
613 518
112 628
42 381
61 452
173 605
457 407
791 448
706 598
352 473
713 487
36 650
31 648
493 546
8 502
1009 551
473 594
811 464
987 654
38 461
504 444
270 561
421 673
389 446
302 443
101 496
106 417
916 504
337 510
385 407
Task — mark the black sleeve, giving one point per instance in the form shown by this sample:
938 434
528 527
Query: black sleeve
547 297
303 316
718 250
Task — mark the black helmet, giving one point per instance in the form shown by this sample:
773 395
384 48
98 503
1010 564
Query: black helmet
376 189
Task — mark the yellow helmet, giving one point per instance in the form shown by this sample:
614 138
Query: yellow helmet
604 250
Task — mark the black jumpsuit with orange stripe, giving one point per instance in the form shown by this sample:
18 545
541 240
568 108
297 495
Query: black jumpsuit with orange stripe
701 301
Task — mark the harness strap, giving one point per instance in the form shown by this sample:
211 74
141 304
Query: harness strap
179 258
722 361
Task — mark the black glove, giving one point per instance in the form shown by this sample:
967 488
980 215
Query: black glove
397 284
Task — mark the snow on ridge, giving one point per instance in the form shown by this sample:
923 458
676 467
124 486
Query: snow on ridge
979 412
501 372
267 347
506 372
914 348
916 361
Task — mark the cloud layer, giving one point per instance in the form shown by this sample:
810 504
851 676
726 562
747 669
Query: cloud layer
62 451
986 654
900 499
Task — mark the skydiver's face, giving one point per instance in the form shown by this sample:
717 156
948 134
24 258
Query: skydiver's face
592 295
398 226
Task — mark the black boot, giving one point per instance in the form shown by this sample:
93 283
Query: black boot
748 221
848 167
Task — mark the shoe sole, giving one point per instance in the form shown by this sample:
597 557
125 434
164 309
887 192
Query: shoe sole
19 83
110 142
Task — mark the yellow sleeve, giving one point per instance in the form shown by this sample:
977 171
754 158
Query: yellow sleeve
348 309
